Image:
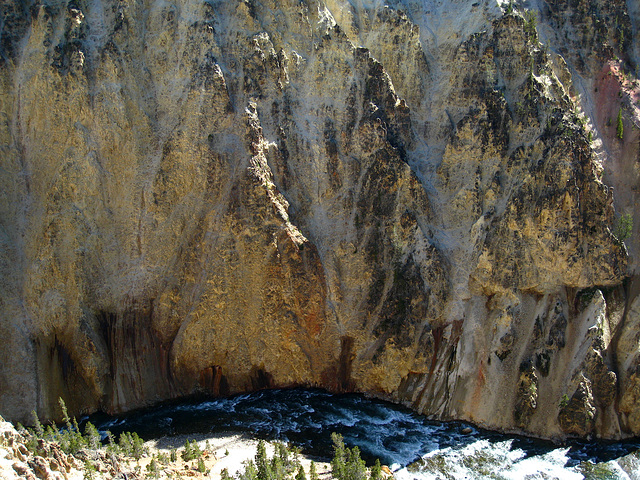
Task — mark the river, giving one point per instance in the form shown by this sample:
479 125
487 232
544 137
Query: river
414 447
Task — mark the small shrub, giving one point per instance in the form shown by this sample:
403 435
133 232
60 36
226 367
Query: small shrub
564 401
152 468
509 10
31 442
623 227
619 126
224 475
597 470
530 24
173 455
201 466
89 470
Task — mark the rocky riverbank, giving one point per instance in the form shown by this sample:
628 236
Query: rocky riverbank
23 456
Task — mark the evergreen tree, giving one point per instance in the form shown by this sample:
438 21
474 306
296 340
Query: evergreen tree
37 425
300 475
152 468
313 474
250 472
187 453
71 440
376 470
262 462
278 469
92 436
282 452
339 457
355 468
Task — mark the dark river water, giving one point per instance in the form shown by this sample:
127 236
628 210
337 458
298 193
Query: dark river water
412 445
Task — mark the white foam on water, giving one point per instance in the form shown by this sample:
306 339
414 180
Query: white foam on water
549 466
483 460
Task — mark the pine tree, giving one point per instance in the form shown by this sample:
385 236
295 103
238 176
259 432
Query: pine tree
300 475
250 472
376 470
262 462
355 469
313 474
278 470
37 425
187 453
339 457
92 436
152 467
283 454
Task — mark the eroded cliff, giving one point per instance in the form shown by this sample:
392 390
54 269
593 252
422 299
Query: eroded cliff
424 201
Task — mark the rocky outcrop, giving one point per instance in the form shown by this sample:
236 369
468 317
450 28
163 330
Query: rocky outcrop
409 200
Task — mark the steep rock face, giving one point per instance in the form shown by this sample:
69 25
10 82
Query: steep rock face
397 199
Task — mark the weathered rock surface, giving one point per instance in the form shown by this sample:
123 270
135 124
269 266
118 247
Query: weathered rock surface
417 200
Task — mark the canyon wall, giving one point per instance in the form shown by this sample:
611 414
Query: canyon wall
430 202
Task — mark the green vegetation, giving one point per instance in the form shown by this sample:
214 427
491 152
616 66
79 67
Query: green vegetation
509 10
597 471
564 401
623 227
585 296
300 475
346 463
191 451
619 125
313 474
70 438
530 24
285 464
131 445
153 469
201 466
89 470
376 470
